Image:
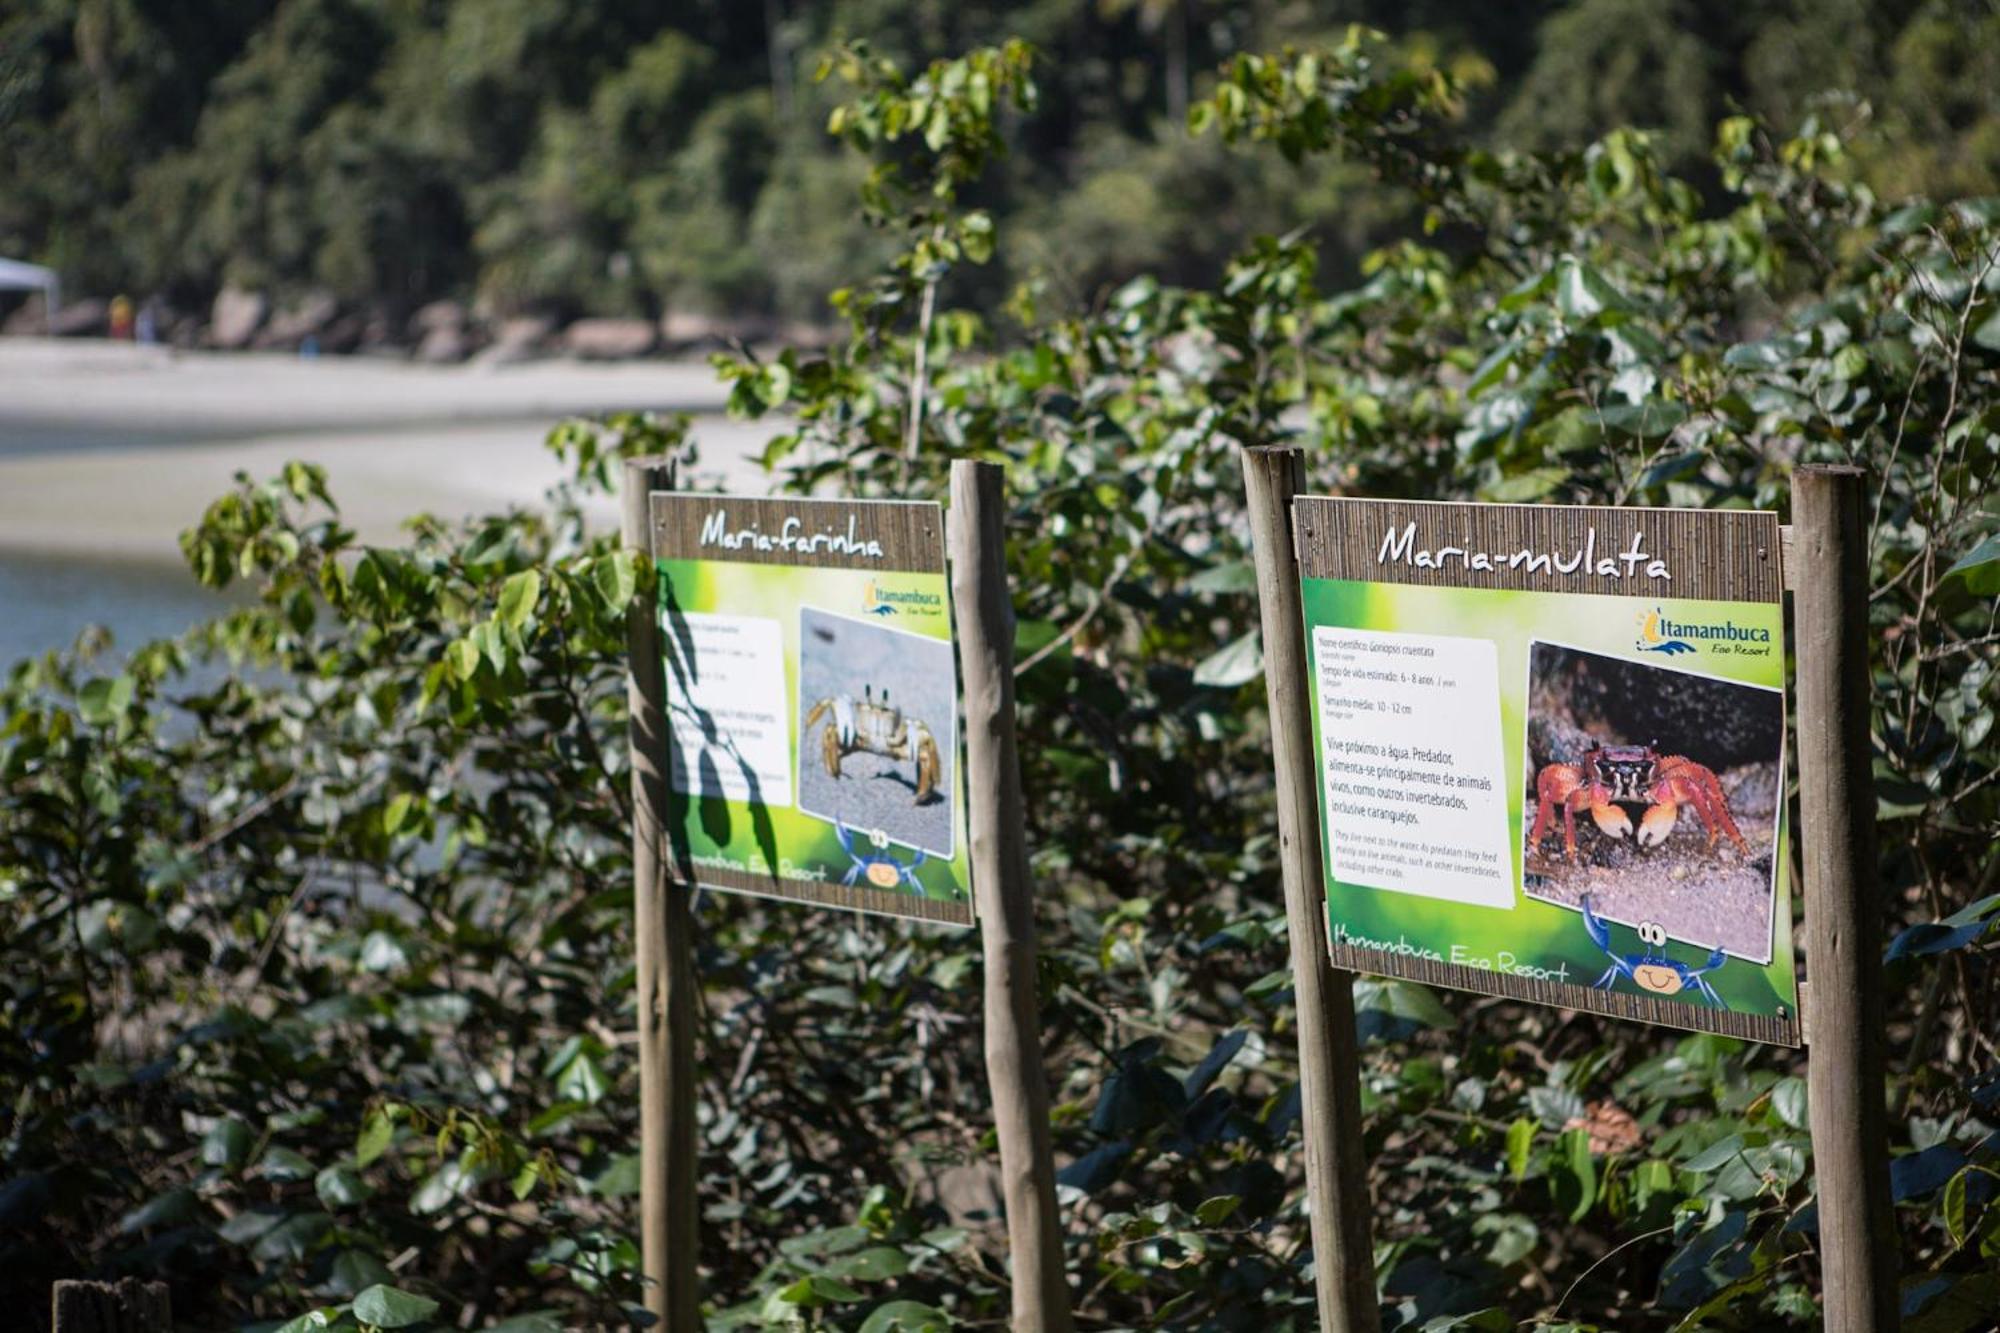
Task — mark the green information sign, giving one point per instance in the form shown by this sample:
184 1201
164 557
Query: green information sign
812 702
1550 747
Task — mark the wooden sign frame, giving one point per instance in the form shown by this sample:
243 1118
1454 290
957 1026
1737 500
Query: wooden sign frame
786 758
897 541
1480 622
1843 998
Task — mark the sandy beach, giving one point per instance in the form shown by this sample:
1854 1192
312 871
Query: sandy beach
110 449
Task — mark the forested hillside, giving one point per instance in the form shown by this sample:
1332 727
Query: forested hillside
639 157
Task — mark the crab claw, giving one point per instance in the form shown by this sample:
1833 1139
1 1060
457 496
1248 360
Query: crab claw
1657 823
1611 820
1600 934
846 836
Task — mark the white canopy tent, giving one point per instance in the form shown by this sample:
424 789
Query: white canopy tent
16 276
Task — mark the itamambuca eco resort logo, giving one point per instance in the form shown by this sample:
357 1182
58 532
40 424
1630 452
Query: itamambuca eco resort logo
880 601
1658 633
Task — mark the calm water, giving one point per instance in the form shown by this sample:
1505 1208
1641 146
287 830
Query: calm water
46 601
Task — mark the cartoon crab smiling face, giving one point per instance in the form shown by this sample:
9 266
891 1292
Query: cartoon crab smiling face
1652 971
1658 978
878 867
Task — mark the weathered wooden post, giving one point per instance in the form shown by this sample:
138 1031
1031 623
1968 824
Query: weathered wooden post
1329 1063
1005 898
669 1220
128 1305
1847 1073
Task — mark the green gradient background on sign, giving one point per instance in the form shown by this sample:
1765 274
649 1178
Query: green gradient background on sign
777 592
1537 933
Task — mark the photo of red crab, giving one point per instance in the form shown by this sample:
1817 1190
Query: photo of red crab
1605 779
1677 779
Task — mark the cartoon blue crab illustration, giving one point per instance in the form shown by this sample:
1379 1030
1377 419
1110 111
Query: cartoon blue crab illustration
878 867
1651 971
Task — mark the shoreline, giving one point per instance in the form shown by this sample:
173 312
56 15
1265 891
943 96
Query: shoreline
111 450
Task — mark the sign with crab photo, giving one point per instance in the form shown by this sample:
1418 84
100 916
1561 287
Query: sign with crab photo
1550 749
812 702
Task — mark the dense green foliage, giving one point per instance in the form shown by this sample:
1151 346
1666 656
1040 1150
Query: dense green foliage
615 157
317 984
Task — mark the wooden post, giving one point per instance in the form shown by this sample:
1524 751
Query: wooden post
670 1244
1848 1069
1005 898
1329 1062
128 1305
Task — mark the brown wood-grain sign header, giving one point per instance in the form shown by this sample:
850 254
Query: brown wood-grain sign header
881 535
1709 555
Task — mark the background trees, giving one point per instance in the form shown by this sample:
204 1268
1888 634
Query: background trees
632 158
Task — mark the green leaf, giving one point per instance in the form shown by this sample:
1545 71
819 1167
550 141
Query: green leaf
1759 355
1582 292
1214 1212
102 700
821 1244
1573 1174
616 581
396 812
1987 335
905 1317
1235 576
357 1270
227 1144
293 1238
440 1187
170 1208
1236 663
583 1081
518 597
1525 487
817 1290
392 1307
1953 1207
1718 1154
1979 568
248 1225
341 1184
382 952
1520 1143
281 1163
312 1321
1407 1000
1788 1101
376 1134
876 1264
462 656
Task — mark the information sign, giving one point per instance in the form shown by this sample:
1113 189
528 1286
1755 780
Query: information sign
812 701
1550 748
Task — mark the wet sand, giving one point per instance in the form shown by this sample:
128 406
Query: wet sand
111 450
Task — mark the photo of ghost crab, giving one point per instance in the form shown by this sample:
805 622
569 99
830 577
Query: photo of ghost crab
872 725
1606 779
